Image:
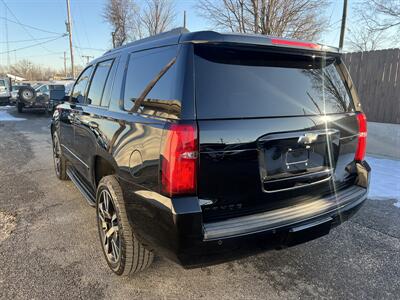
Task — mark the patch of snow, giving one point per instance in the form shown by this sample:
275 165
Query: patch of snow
385 179
6 107
5 116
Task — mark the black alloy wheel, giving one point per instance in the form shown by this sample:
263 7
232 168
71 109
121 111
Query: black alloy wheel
109 227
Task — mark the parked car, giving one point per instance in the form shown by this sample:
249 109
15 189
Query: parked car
5 90
35 96
204 147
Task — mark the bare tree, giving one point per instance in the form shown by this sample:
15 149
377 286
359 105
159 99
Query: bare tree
380 15
123 16
362 38
301 19
377 24
26 69
157 16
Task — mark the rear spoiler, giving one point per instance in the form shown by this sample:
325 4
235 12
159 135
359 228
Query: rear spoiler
254 39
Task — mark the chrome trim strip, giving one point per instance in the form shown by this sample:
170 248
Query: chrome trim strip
295 187
80 160
326 171
285 216
349 137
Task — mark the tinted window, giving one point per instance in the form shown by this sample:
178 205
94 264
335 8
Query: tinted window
78 94
2 83
109 84
144 67
97 85
234 83
44 89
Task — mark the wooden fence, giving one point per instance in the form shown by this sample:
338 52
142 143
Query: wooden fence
376 75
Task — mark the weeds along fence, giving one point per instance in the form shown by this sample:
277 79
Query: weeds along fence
376 75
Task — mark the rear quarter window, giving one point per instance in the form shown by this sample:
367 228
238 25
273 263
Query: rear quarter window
237 83
163 100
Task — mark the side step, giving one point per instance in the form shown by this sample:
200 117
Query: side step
91 200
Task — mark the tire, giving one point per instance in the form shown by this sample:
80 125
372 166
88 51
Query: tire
133 256
19 107
60 163
27 94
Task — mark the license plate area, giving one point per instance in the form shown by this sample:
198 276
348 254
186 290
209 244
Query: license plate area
297 159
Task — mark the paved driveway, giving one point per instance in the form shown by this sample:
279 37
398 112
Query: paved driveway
49 245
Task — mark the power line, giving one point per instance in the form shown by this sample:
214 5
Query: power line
22 26
34 45
30 40
89 48
41 55
29 26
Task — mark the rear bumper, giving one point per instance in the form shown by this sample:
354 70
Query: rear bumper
174 227
270 220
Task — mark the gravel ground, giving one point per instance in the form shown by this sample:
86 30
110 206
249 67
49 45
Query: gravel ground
49 245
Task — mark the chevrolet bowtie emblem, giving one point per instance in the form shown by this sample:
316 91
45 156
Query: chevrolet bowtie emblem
308 138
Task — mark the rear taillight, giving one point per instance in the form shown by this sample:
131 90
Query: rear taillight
362 137
179 160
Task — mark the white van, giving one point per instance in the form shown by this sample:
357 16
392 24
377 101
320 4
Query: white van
5 89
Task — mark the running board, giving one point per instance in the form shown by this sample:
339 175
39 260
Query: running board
91 200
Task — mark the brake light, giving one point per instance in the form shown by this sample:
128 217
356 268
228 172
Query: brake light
295 44
179 160
362 137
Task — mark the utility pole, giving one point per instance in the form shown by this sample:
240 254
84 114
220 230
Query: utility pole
88 57
69 29
184 19
343 27
7 44
113 38
65 64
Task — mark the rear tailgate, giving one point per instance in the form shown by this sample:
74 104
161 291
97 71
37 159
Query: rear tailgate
272 127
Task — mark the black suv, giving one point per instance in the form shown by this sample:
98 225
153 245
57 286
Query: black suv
204 147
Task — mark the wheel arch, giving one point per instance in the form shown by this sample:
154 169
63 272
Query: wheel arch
102 167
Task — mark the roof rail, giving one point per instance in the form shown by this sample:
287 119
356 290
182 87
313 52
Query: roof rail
172 32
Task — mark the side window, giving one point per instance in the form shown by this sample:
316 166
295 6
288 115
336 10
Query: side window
145 67
2 83
44 89
98 82
78 93
105 100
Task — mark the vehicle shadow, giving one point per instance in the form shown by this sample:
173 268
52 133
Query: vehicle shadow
30 113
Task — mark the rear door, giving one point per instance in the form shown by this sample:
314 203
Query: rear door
88 116
275 128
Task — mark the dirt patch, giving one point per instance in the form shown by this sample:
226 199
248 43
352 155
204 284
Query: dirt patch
7 225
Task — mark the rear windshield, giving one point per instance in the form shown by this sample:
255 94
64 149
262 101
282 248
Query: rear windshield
243 82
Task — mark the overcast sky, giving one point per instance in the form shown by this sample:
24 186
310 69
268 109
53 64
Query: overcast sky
91 35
